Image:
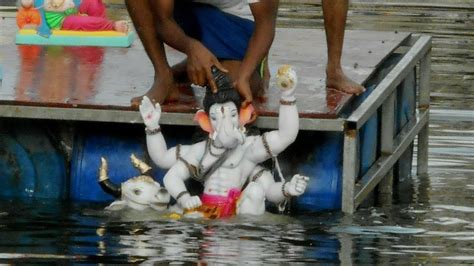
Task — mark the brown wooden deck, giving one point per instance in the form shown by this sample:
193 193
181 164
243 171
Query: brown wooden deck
96 84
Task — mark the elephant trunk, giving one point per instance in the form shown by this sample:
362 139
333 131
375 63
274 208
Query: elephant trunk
229 135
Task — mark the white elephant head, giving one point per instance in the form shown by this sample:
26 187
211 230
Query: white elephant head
138 193
222 117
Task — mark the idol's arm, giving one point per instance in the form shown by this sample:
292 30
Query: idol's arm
274 142
156 144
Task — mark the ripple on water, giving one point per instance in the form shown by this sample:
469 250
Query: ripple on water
454 208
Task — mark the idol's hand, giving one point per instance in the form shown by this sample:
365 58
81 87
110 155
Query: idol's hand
297 185
286 80
150 114
188 202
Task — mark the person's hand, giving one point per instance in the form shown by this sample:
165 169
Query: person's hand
297 185
150 114
242 85
200 61
189 202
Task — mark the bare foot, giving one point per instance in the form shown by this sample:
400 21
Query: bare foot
121 26
159 93
339 81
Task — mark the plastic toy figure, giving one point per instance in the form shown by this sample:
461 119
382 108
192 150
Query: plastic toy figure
78 15
69 23
89 15
28 17
228 159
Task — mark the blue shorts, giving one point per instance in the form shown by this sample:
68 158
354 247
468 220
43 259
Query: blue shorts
227 36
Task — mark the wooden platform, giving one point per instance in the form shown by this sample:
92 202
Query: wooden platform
96 84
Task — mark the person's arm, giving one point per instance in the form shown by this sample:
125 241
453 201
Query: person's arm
264 13
200 59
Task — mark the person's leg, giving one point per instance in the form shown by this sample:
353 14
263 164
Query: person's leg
335 14
163 87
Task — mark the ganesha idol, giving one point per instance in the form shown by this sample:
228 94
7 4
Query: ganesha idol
73 15
227 161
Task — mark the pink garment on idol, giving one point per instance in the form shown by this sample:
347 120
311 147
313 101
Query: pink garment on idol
92 18
227 204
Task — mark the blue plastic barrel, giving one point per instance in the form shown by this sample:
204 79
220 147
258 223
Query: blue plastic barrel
321 160
31 165
115 143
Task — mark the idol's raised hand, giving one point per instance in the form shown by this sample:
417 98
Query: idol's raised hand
150 113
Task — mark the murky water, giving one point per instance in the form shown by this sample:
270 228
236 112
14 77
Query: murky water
432 220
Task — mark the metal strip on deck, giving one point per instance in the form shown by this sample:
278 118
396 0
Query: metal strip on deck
121 116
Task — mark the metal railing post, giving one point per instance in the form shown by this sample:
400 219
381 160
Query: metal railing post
381 173
385 187
349 170
424 104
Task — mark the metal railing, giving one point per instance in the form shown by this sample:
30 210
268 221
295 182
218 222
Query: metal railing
356 189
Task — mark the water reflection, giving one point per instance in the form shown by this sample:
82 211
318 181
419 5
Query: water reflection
57 74
86 231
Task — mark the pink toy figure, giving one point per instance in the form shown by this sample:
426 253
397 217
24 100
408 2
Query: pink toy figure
89 16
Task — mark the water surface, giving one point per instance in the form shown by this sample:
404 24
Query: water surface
431 221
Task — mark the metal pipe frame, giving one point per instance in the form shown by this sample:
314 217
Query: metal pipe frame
133 117
388 130
389 83
381 173
349 170
382 97
424 104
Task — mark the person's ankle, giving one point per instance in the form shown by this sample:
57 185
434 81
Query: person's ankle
163 72
333 67
334 72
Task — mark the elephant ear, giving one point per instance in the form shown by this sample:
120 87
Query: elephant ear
247 115
203 119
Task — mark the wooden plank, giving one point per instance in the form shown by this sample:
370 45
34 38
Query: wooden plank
107 78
